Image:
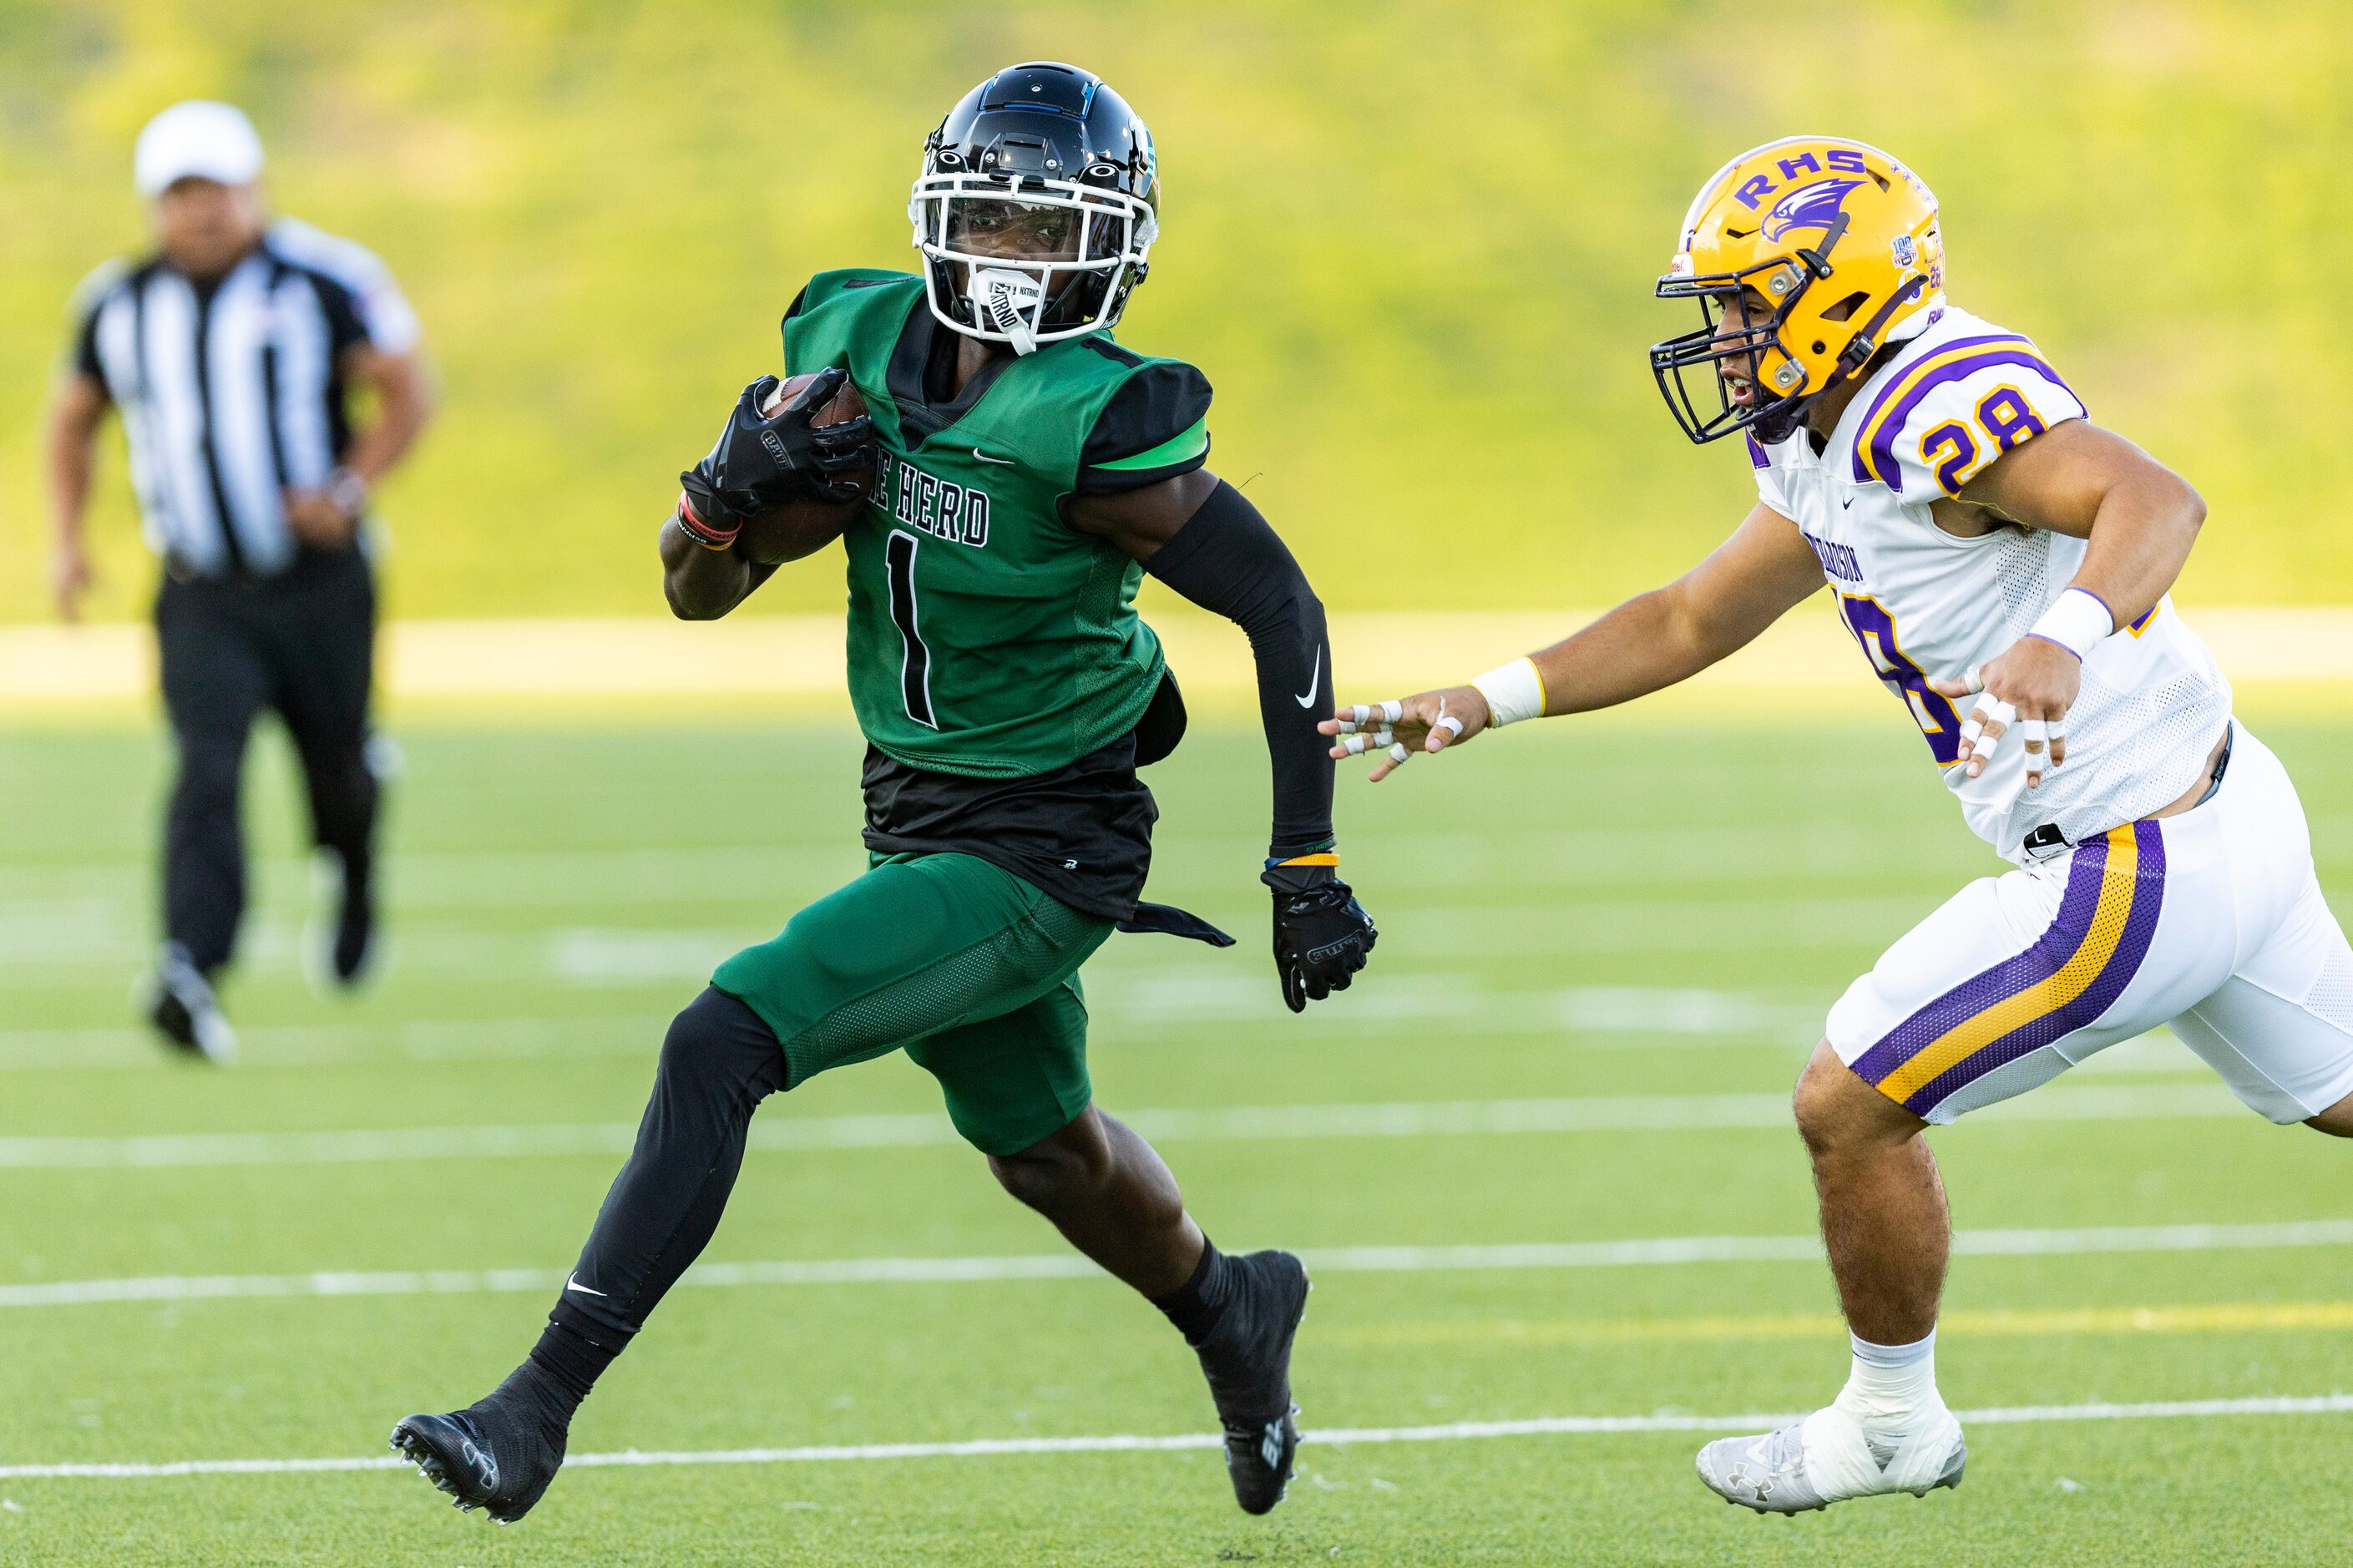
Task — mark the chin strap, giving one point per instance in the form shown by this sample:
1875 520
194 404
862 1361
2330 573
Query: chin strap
1865 343
1776 426
1008 301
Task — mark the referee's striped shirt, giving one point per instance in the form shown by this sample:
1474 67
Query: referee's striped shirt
233 393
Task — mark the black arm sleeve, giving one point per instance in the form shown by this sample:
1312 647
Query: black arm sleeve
1227 558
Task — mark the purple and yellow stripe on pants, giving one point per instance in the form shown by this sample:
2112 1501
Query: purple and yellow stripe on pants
2073 973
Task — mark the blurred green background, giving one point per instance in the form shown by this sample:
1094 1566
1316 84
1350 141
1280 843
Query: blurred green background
1411 244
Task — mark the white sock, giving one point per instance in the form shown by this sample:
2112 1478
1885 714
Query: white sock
1892 1390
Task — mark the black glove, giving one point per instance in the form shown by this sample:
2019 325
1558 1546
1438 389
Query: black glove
761 463
1321 934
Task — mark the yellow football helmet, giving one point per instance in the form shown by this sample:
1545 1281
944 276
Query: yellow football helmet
1836 239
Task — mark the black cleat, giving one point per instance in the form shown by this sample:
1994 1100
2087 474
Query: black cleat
345 950
1246 1359
184 1009
354 936
493 1455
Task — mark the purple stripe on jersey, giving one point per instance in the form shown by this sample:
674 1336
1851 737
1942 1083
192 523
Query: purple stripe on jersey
1881 463
1757 458
2051 950
2124 963
1862 474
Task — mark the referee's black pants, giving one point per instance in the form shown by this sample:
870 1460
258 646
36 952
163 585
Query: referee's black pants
303 643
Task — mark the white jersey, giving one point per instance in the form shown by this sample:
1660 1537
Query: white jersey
1923 602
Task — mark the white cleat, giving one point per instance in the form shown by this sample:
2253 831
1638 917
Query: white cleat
1825 1459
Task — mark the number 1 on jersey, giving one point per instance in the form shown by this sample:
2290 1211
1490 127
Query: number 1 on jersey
915 668
1874 628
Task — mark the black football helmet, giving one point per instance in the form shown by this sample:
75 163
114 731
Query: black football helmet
1037 206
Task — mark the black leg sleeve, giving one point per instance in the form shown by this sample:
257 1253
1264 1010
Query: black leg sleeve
1227 558
718 1061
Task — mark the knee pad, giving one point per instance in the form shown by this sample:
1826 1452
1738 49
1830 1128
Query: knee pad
716 1040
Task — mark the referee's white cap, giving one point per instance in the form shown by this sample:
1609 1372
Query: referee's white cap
200 138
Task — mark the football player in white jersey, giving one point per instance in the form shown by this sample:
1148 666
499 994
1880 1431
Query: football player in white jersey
2004 564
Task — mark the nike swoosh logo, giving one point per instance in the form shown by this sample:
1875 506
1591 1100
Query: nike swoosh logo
572 1282
1315 678
1000 462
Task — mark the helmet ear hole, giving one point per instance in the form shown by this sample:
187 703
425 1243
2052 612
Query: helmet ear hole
1843 309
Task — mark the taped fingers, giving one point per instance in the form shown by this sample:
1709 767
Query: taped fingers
1988 721
1361 714
1398 755
2033 734
1443 730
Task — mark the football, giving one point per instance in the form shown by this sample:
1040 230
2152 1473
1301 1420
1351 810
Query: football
802 528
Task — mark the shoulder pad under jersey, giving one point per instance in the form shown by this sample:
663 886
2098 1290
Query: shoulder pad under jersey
1951 406
1156 426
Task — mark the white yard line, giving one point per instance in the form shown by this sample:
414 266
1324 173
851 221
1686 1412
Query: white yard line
60 949
1586 1016
345 1045
1422 1118
1128 1443
798 657
1121 1001
1630 1253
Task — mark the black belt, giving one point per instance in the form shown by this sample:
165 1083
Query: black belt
2048 835
2221 765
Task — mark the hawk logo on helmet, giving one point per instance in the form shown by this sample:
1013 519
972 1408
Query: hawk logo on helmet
1808 206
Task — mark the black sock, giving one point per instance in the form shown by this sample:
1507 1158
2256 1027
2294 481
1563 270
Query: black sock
570 1362
1196 1306
534 1397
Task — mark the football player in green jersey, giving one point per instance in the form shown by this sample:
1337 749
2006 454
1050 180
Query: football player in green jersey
1027 470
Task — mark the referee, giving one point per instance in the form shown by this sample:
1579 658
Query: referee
230 354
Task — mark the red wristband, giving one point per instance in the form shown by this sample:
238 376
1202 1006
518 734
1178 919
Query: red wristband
702 532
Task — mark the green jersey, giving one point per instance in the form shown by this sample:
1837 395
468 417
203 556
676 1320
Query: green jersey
987 637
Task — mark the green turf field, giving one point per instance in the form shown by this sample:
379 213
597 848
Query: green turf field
1604 953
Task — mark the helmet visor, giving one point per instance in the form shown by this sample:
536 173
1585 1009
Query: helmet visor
1014 231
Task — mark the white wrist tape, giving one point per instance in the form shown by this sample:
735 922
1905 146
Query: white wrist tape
1514 692
2076 621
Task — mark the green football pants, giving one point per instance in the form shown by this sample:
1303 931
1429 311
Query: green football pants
967 967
